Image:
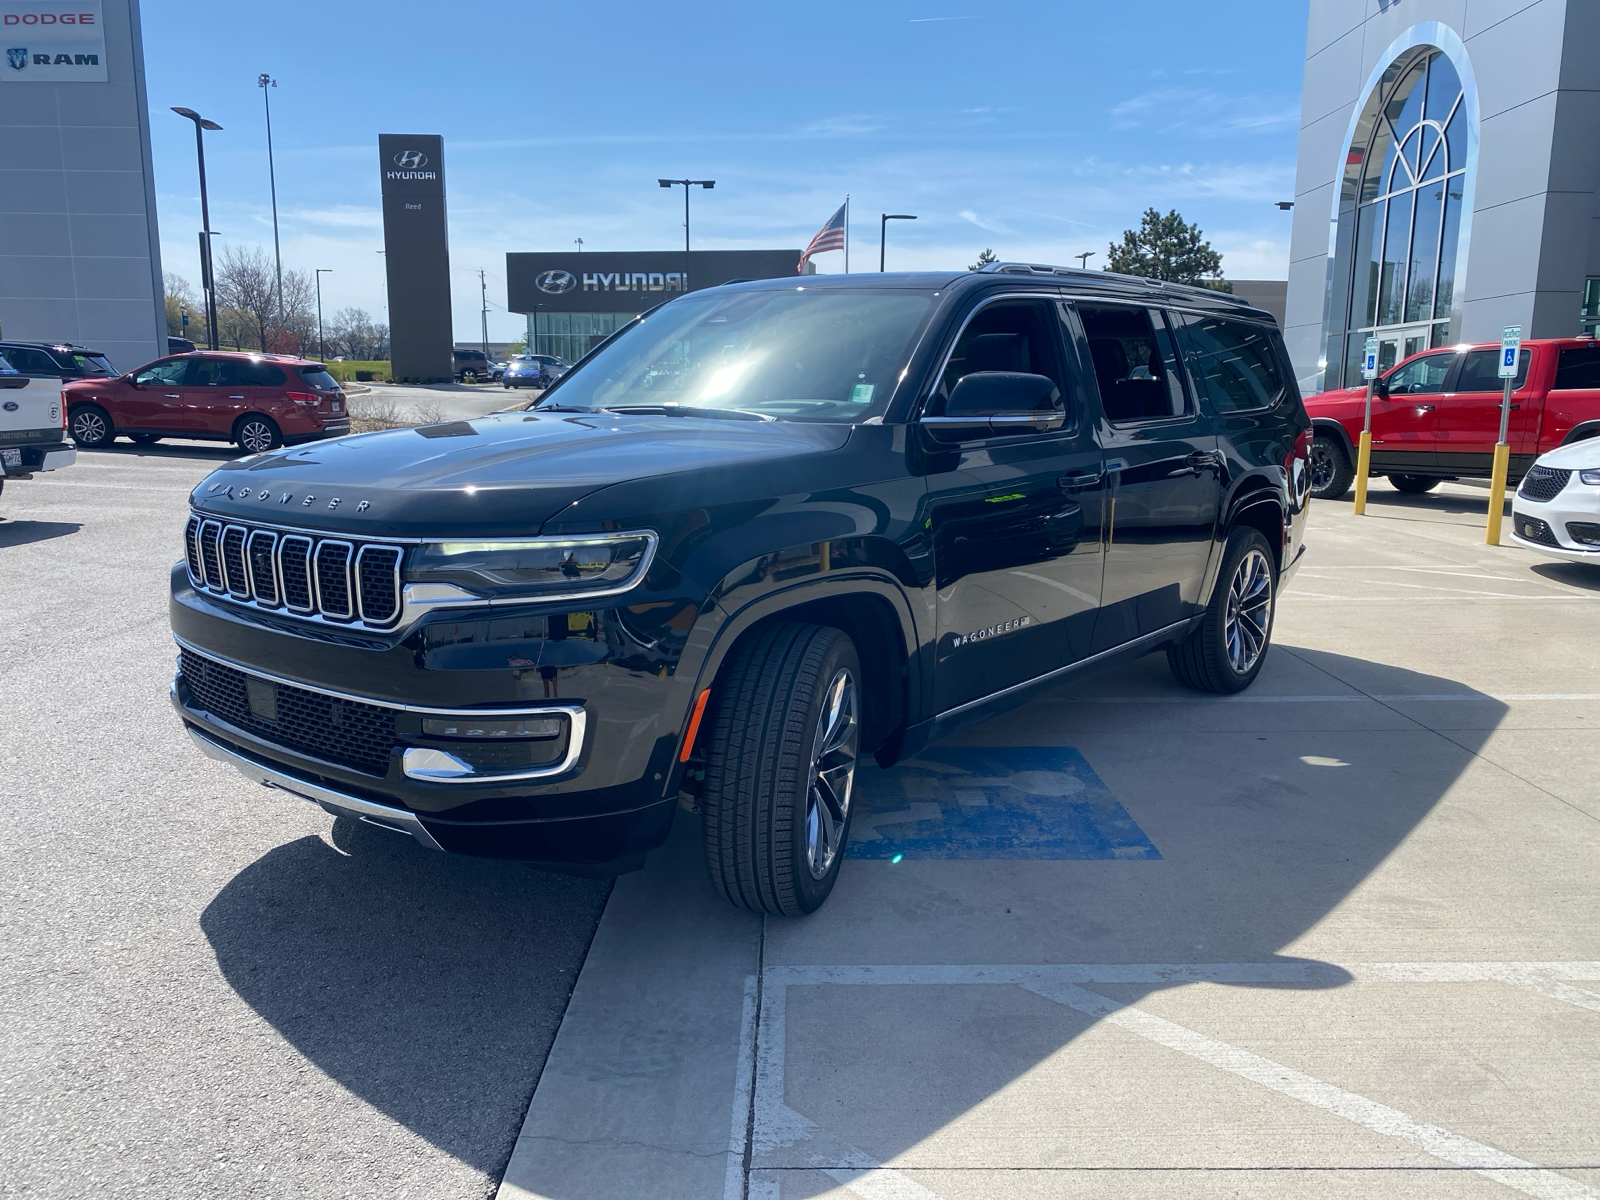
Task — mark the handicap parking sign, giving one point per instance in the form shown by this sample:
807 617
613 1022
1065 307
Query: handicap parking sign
1510 343
991 802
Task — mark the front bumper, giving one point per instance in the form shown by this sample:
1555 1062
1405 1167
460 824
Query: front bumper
1546 526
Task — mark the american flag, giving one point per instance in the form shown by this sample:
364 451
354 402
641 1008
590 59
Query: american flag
829 237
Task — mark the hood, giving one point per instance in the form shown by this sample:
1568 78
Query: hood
500 475
1578 456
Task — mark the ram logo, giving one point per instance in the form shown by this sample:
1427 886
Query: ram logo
18 58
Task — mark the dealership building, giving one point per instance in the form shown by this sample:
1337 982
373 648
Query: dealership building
80 256
1447 178
574 301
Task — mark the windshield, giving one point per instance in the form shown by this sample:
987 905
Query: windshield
796 355
89 364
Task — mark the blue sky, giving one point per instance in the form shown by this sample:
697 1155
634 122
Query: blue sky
1042 129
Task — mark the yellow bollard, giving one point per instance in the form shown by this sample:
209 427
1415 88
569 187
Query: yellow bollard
1363 465
1497 493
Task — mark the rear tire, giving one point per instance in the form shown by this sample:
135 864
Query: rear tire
91 427
1225 653
1331 472
1413 485
783 739
256 434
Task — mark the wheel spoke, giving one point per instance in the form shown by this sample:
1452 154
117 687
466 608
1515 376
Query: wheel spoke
833 765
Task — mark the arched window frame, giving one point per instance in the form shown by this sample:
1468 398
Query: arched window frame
1422 38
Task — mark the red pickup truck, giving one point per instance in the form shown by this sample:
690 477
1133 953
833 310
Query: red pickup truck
1436 415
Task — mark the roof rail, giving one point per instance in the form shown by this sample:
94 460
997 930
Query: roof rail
1017 268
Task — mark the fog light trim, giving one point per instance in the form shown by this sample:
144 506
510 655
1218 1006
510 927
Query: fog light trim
429 764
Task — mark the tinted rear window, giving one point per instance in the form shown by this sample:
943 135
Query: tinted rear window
1233 363
1578 367
318 378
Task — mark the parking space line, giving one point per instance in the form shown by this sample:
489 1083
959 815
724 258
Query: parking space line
774 1125
1334 698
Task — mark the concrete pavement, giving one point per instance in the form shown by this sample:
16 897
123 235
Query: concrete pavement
1334 937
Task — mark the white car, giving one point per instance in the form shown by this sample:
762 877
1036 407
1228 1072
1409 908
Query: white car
1556 510
33 427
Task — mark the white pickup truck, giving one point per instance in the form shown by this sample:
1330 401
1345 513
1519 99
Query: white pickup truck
33 426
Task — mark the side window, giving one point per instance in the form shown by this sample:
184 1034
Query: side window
1007 335
262 374
1480 372
1232 363
1134 363
1578 367
163 374
216 372
32 362
1420 375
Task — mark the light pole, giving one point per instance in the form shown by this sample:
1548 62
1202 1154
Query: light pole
579 242
322 351
686 184
483 290
207 282
264 81
883 229
1083 259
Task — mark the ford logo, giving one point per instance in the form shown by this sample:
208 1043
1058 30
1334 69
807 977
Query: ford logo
411 160
556 283
11 406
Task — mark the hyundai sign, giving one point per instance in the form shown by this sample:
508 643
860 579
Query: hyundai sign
52 41
630 282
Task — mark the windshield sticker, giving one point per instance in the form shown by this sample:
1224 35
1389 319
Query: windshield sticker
861 393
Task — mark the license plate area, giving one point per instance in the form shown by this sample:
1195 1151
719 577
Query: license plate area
11 458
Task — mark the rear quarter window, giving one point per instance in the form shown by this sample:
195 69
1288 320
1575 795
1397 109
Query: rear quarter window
318 378
1578 367
1234 364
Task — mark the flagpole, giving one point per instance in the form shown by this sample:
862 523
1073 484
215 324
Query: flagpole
847 233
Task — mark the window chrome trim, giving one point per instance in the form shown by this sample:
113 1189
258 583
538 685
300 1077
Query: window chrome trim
1053 296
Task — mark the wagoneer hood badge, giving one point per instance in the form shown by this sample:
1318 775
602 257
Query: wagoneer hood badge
223 491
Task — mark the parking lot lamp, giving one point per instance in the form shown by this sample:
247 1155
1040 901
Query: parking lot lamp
265 81
883 228
322 351
1083 259
207 279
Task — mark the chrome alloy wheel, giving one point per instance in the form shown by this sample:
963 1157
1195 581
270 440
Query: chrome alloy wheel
1249 617
833 774
255 436
88 427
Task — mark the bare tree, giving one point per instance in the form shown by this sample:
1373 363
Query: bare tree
351 332
247 283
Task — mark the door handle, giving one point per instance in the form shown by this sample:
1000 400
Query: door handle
1074 481
1516 406
235 397
1422 408
1193 464
174 396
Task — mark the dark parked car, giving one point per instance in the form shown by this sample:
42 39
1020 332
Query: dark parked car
56 360
180 345
258 401
846 518
472 366
532 370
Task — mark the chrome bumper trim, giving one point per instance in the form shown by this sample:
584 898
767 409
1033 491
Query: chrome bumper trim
335 802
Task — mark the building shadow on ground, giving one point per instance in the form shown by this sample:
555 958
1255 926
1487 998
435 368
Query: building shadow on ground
431 986
20 533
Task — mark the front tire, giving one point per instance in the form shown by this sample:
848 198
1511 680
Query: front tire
256 435
1331 471
1413 485
784 737
91 427
1225 653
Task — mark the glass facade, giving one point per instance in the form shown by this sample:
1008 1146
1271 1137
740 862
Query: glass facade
569 336
1589 319
1398 230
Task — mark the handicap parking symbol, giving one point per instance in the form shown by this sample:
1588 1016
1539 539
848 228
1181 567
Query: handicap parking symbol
983 802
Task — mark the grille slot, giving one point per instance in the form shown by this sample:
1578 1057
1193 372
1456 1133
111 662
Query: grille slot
333 580
1535 530
211 553
378 583
329 578
1542 484
191 550
347 732
294 570
233 572
263 567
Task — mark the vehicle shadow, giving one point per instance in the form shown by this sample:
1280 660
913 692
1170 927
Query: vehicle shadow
201 452
1267 817
1453 503
1572 574
21 533
429 985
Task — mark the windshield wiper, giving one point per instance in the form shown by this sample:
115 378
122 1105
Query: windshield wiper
691 410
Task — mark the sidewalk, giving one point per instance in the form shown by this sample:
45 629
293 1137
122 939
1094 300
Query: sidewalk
1334 937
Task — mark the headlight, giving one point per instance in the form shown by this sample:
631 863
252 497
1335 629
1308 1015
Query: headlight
1592 478
535 567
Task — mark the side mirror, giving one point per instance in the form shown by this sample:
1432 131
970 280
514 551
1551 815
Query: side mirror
1380 388
999 402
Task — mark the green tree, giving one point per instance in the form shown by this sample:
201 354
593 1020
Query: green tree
179 300
1167 247
986 257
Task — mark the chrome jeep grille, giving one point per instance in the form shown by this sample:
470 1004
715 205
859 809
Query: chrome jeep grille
332 579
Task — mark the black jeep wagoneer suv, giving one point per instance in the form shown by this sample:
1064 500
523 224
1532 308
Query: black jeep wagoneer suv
764 529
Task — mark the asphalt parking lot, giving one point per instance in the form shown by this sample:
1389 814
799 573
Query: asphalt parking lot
1335 937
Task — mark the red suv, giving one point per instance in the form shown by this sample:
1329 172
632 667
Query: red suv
258 401
1436 415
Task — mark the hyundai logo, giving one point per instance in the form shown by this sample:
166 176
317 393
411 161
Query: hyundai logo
556 283
411 160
